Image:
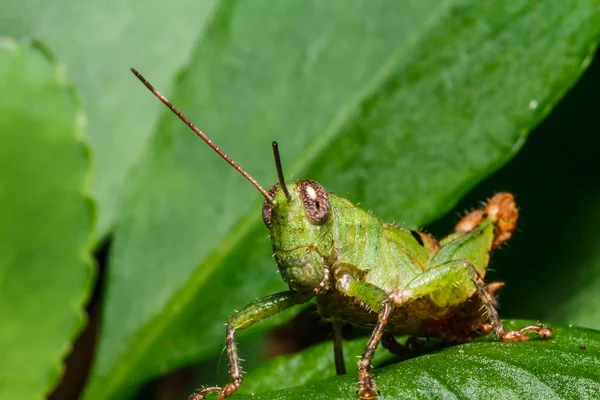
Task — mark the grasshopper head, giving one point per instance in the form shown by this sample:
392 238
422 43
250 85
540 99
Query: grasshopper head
301 232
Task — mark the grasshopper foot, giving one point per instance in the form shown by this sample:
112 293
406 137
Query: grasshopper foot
520 335
485 329
367 390
200 394
224 391
368 393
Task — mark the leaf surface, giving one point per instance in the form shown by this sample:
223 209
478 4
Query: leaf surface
400 106
558 368
98 42
45 219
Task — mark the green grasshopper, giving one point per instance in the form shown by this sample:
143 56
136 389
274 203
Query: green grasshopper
371 274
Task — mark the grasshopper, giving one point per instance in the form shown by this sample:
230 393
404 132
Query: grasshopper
371 274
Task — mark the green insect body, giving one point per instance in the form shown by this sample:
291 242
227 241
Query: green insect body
389 261
378 276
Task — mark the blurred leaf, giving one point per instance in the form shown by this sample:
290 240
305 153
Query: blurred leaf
402 107
99 41
46 219
484 369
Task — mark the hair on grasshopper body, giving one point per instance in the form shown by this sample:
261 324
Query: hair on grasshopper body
365 272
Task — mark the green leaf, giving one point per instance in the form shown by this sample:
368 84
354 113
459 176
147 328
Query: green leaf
550 369
98 42
45 219
400 107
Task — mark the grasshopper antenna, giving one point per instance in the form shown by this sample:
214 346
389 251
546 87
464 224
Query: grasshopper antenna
280 171
203 136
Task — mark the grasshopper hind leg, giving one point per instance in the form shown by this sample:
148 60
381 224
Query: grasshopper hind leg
495 323
406 350
501 209
452 284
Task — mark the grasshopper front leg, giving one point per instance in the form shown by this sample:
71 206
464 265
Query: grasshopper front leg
254 312
378 301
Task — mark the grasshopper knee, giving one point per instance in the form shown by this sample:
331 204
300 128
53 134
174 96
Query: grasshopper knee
470 222
502 210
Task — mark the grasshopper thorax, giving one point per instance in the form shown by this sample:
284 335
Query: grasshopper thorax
301 228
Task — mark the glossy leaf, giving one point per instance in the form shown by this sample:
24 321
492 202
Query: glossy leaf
566 366
45 219
402 107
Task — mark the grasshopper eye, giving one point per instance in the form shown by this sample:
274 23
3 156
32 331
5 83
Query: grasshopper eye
316 201
266 212
267 209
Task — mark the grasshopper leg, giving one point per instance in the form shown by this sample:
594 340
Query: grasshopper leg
338 353
234 369
495 322
518 335
366 389
452 283
378 301
254 312
403 350
501 209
